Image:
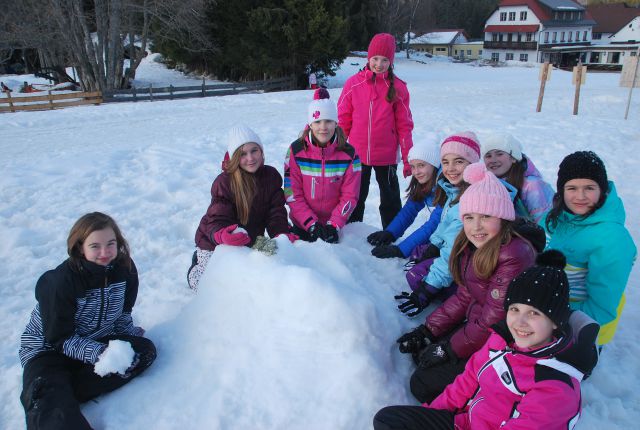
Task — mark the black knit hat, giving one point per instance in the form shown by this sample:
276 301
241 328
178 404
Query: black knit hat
544 286
582 165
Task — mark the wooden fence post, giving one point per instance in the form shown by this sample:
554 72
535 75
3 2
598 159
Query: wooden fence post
170 91
543 79
50 100
8 93
135 95
151 92
203 88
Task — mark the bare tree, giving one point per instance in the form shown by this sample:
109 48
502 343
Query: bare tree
91 35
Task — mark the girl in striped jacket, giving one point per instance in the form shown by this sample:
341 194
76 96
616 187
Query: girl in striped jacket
321 175
83 305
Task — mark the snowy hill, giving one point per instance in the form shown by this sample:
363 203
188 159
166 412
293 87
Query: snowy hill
305 338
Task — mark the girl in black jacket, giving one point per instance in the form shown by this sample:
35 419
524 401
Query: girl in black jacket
83 304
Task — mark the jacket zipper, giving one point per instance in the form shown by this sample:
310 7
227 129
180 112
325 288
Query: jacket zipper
102 301
313 187
370 121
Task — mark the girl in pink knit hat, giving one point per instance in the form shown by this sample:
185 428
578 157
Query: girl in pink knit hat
429 275
487 253
373 111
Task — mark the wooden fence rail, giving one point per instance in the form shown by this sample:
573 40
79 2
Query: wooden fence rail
48 101
52 101
171 93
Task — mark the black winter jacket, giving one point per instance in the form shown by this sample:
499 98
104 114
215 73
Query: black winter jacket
77 306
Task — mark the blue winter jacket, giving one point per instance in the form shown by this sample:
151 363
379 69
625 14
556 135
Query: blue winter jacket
444 236
405 218
600 253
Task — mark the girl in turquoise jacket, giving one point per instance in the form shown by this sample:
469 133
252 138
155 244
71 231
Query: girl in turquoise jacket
586 223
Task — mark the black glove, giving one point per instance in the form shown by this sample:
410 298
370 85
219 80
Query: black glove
415 340
415 302
329 234
314 231
436 354
380 238
387 251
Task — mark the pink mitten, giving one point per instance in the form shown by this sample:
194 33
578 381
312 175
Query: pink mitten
406 170
226 236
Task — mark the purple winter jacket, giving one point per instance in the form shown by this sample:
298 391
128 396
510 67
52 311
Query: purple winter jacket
267 210
479 302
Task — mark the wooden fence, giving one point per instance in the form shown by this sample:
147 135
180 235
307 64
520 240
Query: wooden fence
173 93
48 101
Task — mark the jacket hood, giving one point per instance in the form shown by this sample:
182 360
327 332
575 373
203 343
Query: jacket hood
548 350
531 169
450 189
611 211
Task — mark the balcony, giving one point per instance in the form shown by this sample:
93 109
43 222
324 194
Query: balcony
525 46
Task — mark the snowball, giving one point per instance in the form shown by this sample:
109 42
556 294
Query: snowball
240 230
115 359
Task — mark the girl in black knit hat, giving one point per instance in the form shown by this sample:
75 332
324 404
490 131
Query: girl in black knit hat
528 373
586 223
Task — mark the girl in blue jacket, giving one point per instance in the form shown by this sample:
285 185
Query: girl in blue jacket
431 274
586 223
424 159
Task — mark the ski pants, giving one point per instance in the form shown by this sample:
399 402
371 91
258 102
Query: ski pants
390 204
54 385
413 418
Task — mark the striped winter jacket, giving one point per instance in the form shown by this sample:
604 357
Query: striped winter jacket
508 388
321 184
77 307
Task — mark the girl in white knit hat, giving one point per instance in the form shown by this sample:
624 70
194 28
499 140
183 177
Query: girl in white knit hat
246 200
424 159
503 156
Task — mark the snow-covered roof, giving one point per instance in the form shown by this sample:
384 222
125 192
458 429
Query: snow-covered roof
436 38
562 4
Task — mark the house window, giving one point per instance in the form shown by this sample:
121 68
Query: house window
577 36
468 51
494 37
570 37
503 16
524 57
455 52
546 37
509 56
495 56
480 52
512 16
595 57
584 36
523 15
529 37
500 37
614 58
562 37
509 37
554 39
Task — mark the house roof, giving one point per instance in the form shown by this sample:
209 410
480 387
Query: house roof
610 18
533 5
532 28
438 37
562 4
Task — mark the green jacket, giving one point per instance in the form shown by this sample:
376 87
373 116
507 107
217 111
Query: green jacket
600 253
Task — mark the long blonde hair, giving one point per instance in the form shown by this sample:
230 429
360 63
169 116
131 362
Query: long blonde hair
485 258
243 185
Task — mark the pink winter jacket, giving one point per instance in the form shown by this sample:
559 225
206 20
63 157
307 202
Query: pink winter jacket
321 184
479 302
503 387
375 127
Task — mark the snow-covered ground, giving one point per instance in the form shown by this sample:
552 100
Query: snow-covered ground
305 338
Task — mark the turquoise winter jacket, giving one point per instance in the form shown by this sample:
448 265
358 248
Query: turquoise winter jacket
444 236
600 253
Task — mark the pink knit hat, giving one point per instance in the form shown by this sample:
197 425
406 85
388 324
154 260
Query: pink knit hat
486 195
382 44
464 144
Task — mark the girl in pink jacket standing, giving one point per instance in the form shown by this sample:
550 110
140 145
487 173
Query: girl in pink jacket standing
373 111
527 376
321 175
